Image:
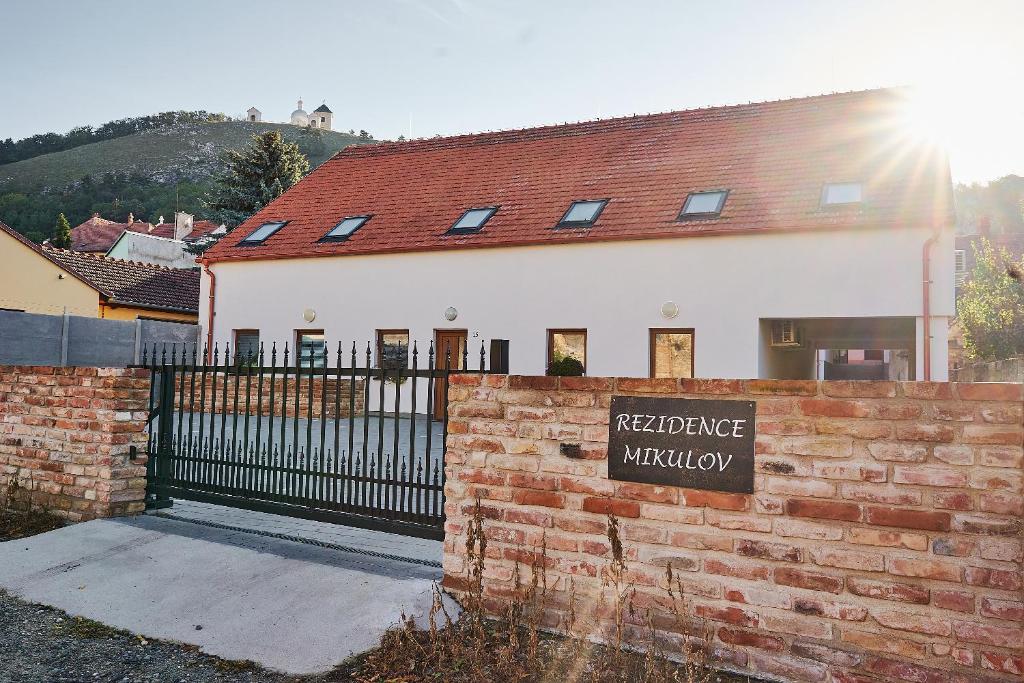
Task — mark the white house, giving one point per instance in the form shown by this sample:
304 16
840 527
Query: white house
763 240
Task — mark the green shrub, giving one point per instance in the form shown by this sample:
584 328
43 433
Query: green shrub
565 366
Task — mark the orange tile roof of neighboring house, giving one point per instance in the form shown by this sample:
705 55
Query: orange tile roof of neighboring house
99 234
131 282
125 282
773 157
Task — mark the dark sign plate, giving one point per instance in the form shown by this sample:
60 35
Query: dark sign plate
692 443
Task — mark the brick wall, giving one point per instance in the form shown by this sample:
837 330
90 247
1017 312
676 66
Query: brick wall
229 385
65 436
883 540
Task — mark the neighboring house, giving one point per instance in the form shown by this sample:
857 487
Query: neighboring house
98 235
735 241
145 248
42 279
964 258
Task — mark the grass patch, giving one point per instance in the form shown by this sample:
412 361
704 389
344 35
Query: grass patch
88 629
18 524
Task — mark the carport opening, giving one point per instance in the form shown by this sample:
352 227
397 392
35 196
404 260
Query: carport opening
837 348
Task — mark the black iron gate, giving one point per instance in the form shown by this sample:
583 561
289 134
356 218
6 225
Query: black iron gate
355 443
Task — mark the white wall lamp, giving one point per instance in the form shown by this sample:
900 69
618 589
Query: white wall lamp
309 315
669 310
450 313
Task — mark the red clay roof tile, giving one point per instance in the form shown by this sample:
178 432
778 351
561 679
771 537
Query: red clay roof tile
773 157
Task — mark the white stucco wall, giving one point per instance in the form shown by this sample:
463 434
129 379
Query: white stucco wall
722 285
149 249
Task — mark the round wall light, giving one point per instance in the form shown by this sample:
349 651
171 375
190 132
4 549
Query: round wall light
669 310
450 313
309 315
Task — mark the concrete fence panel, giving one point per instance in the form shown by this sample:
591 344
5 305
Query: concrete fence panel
28 338
883 539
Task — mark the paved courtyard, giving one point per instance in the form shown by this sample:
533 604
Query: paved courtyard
296 607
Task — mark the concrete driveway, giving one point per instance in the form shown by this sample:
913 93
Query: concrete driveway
289 606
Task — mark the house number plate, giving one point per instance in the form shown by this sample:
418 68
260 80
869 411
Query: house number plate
692 443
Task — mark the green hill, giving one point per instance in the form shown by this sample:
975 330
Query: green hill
187 151
148 174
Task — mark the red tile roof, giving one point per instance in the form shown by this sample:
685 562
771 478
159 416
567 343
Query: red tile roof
99 234
773 157
131 282
126 282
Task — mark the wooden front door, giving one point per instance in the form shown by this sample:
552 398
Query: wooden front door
443 341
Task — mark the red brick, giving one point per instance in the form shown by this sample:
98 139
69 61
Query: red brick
906 671
715 499
952 500
999 636
1011 610
711 386
958 601
751 639
954 546
925 569
612 506
929 475
524 382
810 580
993 578
937 433
532 481
647 492
820 509
997 661
585 383
768 551
890 539
646 385
927 390
542 498
830 408
887 590
753 572
859 389
728 615
830 610
906 621
527 517
781 387
848 559
1005 435
908 519
990 391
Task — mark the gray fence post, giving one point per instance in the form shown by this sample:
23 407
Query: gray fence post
138 341
64 333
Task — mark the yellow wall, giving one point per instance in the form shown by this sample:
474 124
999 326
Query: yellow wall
130 313
29 282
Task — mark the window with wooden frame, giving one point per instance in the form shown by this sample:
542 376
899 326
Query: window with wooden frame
392 349
311 348
569 343
247 345
671 352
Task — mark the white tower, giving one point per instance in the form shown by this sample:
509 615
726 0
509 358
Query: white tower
299 116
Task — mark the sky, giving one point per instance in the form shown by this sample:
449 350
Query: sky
420 67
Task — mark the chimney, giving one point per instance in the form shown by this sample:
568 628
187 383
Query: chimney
183 223
131 218
160 221
985 226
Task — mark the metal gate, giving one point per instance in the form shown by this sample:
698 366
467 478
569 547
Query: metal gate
349 441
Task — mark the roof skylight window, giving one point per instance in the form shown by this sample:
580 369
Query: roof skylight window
260 234
344 229
841 193
473 220
703 204
582 213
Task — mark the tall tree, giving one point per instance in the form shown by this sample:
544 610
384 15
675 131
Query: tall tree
61 233
256 176
991 306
